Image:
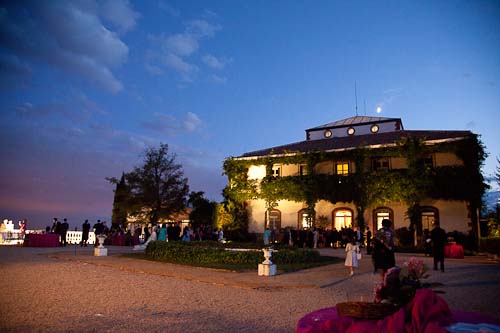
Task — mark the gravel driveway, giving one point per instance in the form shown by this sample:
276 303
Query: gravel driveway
70 290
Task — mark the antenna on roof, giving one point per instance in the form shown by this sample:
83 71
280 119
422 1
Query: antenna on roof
364 102
356 97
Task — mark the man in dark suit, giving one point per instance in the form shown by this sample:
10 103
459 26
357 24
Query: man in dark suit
438 237
85 233
64 230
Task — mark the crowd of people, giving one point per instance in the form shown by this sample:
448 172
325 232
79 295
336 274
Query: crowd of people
379 245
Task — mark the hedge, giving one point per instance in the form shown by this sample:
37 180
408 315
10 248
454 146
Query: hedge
490 245
209 253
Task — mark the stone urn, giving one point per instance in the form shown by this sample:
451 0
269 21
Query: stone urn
268 252
101 239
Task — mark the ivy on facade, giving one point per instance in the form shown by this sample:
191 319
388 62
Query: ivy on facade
366 187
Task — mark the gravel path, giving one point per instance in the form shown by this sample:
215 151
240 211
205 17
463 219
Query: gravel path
70 290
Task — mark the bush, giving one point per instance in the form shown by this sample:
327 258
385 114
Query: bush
490 245
215 253
403 237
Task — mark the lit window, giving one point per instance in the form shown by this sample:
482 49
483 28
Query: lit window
328 133
351 131
342 168
374 128
342 219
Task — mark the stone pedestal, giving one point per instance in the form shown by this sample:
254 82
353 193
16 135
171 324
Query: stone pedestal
100 252
267 269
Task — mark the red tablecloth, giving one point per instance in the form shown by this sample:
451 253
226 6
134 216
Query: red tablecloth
118 240
41 240
429 314
454 251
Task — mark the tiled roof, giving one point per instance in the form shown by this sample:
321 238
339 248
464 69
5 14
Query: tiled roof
357 120
356 142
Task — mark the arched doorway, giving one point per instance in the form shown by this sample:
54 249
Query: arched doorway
304 219
429 215
274 221
380 214
342 218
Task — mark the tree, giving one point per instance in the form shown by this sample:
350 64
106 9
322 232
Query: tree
203 209
158 188
120 203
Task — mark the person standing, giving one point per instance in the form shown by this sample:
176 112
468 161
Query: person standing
383 250
368 240
427 243
85 233
351 258
64 229
267 236
438 237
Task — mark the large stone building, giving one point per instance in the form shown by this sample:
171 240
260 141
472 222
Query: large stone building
358 171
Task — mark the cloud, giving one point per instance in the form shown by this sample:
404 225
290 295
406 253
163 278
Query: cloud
185 69
389 96
202 28
170 125
219 79
14 73
213 62
68 36
191 122
168 9
181 44
175 51
120 13
10 63
75 108
152 69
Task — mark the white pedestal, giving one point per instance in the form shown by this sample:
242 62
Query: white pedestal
100 252
267 270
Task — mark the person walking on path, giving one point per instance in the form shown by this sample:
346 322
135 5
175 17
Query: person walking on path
438 237
351 258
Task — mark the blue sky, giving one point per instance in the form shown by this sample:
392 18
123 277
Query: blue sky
85 86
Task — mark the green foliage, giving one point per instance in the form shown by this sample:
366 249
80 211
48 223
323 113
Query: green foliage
367 188
403 237
210 253
490 245
120 203
322 222
157 189
203 210
493 227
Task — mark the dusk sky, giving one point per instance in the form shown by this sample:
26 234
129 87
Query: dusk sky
86 86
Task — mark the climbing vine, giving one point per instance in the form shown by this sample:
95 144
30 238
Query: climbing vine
366 187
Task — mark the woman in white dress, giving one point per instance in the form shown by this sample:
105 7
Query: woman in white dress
351 258
151 238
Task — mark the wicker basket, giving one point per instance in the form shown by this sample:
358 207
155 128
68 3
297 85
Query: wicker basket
365 310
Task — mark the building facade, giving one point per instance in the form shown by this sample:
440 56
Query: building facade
358 171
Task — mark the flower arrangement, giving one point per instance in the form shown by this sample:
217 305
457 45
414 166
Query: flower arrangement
400 284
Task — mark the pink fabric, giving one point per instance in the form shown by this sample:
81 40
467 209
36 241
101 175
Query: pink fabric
454 251
426 313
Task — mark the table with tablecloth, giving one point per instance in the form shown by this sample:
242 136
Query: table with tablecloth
425 314
41 240
454 251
